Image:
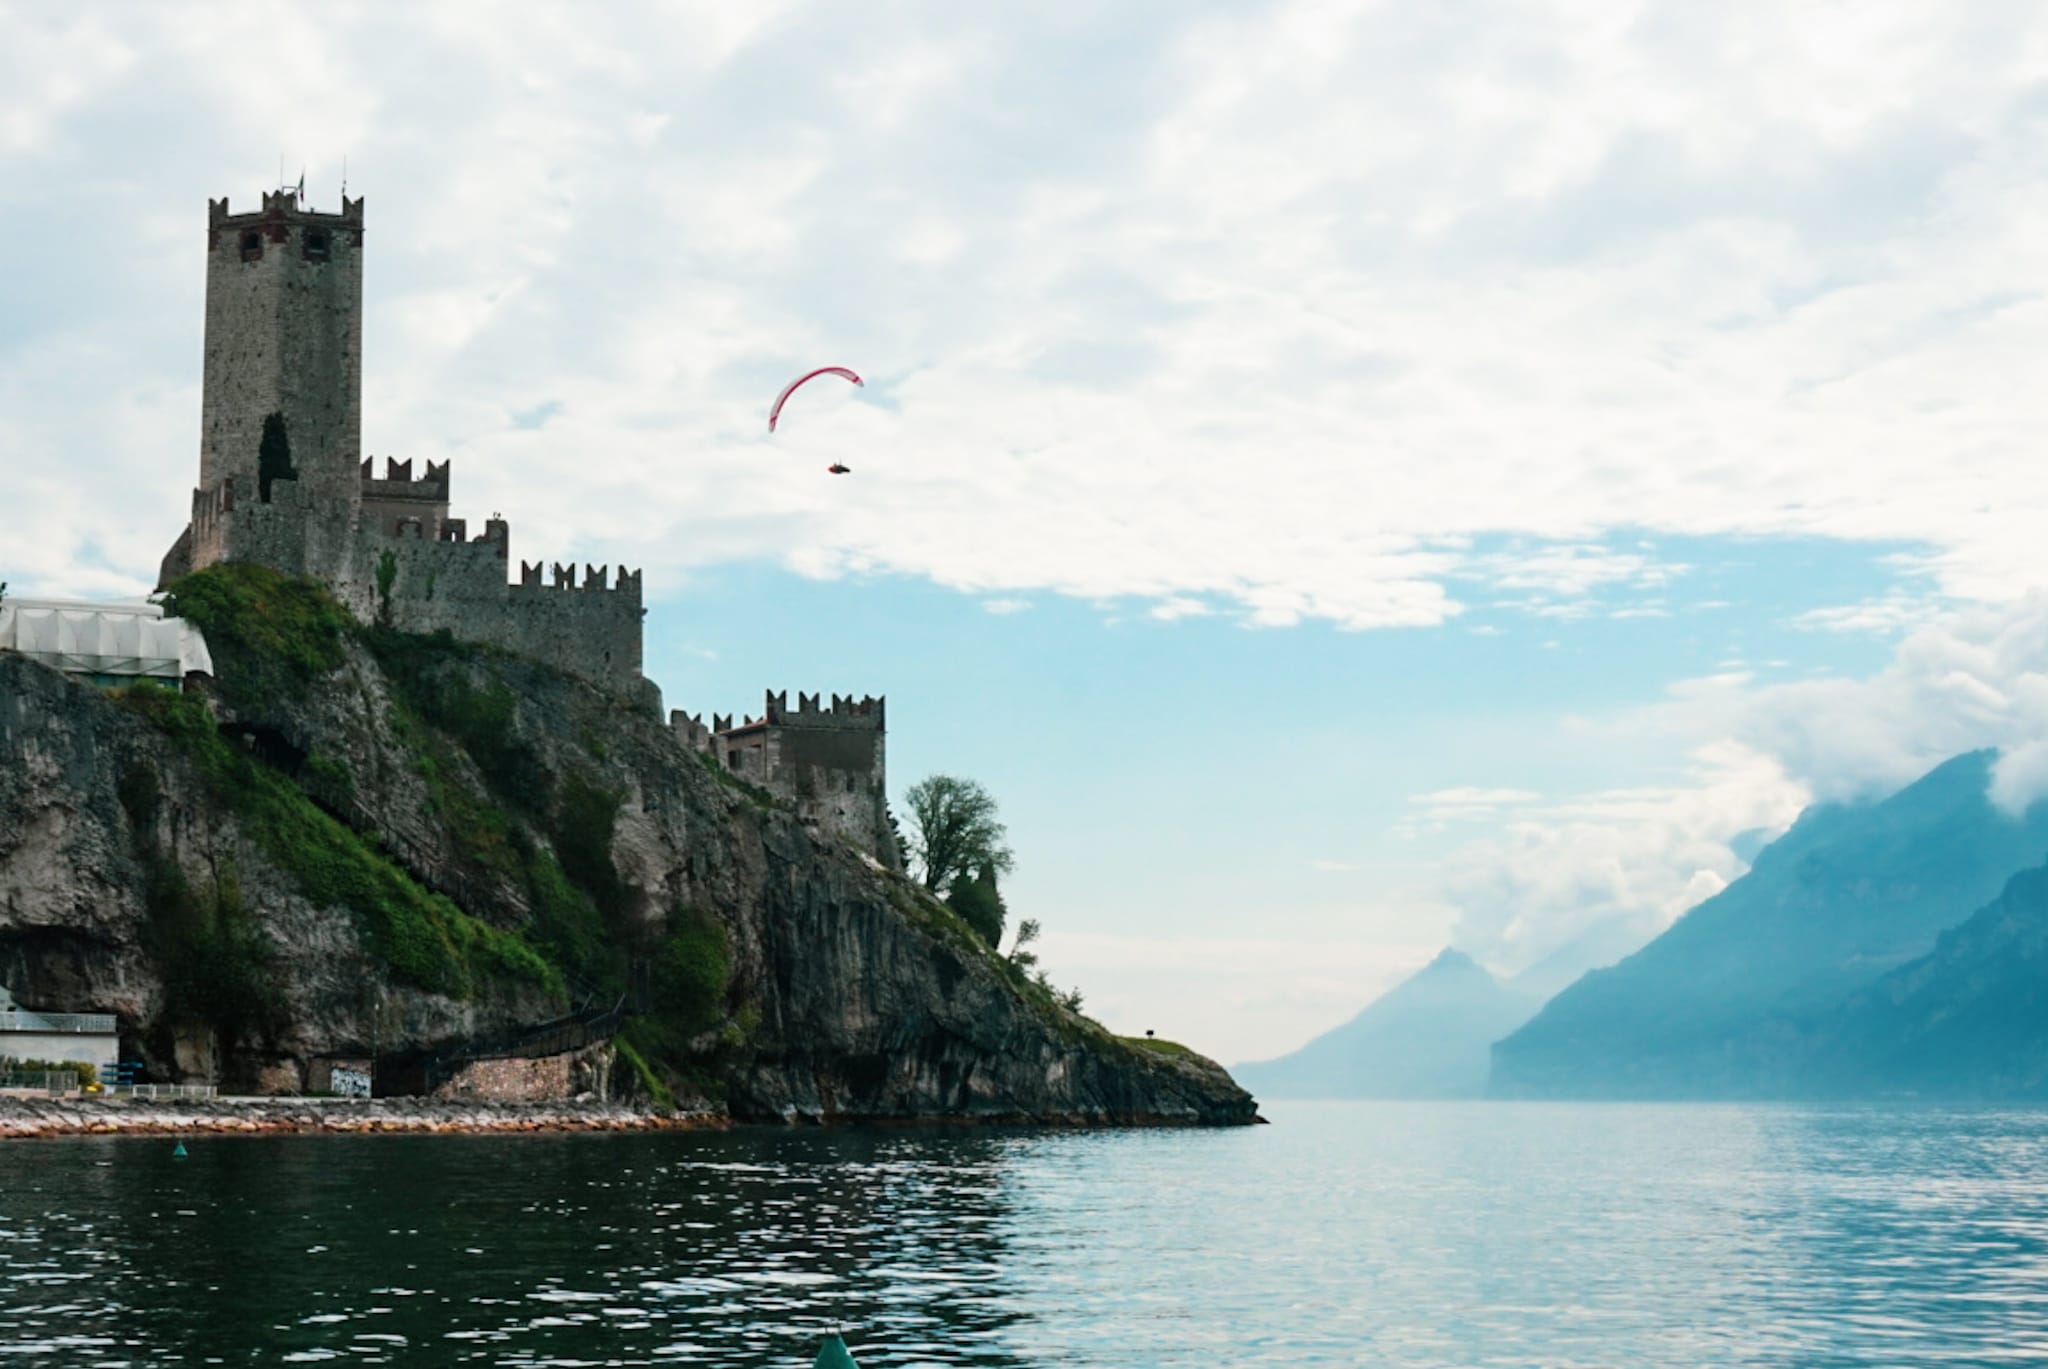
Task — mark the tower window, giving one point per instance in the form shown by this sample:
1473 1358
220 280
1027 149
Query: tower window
315 243
252 245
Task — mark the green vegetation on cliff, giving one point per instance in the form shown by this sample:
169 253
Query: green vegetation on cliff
425 938
271 637
689 979
522 832
269 634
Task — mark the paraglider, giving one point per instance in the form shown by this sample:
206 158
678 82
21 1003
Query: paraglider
775 410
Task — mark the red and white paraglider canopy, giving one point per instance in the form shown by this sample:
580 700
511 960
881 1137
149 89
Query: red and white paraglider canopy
775 410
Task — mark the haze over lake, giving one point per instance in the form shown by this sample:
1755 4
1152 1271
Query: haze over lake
1395 1234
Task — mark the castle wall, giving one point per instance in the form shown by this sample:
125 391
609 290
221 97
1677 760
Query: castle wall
591 628
284 334
295 532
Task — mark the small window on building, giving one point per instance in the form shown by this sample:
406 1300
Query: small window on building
735 760
315 243
252 245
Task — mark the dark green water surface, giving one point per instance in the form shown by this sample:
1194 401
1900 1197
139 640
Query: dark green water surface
1346 1234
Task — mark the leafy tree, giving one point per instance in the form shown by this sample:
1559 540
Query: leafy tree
954 831
980 905
273 456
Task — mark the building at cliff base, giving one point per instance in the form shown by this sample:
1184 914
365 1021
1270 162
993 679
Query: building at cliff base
283 358
827 762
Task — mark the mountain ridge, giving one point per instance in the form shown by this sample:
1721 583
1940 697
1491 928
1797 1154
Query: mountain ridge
1849 894
1426 1037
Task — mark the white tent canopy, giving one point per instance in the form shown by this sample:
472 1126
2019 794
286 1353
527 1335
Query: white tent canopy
122 639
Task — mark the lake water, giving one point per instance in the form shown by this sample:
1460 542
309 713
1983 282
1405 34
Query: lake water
1345 1234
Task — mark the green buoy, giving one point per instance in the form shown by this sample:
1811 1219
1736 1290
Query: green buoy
832 1355
179 1153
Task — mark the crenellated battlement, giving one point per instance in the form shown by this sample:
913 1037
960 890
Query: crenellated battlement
845 712
596 580
279 214
398 481
210 506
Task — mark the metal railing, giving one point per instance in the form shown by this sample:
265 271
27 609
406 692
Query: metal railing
22 1021
42 1081
159 1092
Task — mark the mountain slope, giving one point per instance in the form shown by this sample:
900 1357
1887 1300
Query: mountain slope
1969 1019
1848 894
1425 1038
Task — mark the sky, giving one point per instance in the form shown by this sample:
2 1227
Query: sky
1350 478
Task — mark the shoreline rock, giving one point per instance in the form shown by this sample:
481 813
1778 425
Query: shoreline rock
24 1118
37 1118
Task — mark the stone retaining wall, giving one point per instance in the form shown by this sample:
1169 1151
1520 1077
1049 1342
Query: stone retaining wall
509 1081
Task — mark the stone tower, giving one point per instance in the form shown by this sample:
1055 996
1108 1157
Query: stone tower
284 334
828 763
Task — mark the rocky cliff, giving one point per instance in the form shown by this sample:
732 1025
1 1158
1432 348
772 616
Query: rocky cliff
355 843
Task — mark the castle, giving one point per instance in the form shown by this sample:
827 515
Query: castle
284 342
284 337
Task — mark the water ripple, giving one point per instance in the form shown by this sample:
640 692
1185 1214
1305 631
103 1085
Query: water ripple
1388 1234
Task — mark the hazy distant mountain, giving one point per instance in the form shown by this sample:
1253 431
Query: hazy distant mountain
1425 1038
1712 1007
1968 1019
1600 945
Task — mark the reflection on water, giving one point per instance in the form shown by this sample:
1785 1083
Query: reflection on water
1384 1234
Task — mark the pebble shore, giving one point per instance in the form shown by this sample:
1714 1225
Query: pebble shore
39 1117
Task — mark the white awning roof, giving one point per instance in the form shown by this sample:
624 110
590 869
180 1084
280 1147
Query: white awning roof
126 637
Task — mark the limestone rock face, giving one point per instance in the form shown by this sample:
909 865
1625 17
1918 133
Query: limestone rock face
850 995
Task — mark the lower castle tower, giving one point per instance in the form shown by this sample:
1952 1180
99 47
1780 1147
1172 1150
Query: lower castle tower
829 763
284 292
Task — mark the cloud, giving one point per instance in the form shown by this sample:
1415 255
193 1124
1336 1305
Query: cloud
1005 606
1464 804
1569 570
1632 859
1143 317
1637 858
1175 607
1968 679
1972 679
1885 615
